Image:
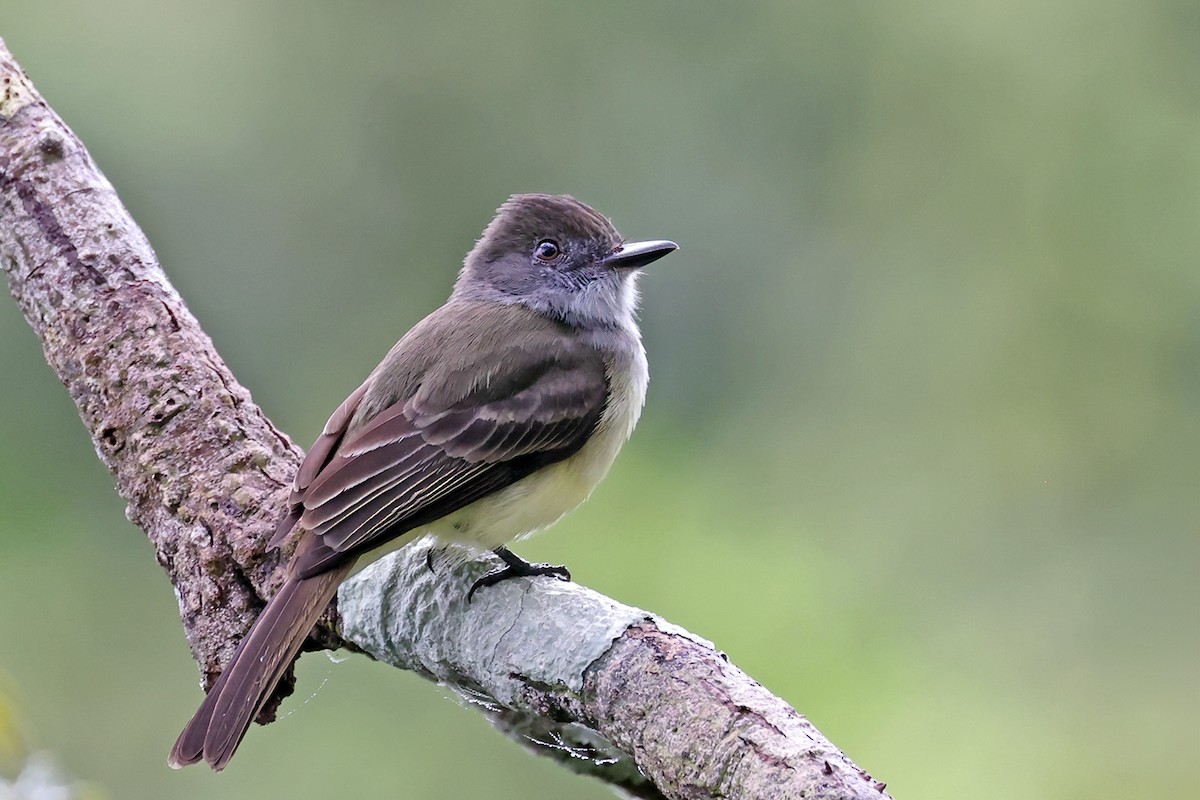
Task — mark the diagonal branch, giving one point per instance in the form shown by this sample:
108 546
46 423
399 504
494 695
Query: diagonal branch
606 689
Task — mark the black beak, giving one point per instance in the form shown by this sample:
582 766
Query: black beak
638 254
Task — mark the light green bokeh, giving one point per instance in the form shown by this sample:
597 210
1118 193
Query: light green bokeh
921 446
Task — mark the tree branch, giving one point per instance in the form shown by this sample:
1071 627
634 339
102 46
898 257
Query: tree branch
606 689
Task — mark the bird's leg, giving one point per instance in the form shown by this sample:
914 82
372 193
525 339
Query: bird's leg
517 567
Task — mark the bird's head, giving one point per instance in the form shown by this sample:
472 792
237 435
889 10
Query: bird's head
559 257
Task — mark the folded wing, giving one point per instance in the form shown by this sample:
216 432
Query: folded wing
421 459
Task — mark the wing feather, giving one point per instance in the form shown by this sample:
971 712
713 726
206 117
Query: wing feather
315 460
344 474
449 442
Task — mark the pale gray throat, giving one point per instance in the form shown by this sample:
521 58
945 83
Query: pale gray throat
600 305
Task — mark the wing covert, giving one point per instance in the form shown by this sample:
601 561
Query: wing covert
414 462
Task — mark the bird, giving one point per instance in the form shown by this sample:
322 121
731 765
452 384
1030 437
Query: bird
489 420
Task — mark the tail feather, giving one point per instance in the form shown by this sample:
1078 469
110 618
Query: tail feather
248 681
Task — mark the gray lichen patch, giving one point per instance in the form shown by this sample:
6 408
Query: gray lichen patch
519 633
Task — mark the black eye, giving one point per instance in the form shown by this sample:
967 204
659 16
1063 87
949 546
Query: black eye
546 250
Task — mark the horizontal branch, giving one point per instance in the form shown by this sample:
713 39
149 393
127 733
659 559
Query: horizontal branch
604 688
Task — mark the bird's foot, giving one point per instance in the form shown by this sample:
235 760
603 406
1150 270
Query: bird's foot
516 567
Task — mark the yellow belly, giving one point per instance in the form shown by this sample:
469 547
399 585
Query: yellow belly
541 499
529 505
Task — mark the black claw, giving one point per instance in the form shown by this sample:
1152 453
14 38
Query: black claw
517 567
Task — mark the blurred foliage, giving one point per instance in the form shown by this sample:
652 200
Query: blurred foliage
12 741
920 451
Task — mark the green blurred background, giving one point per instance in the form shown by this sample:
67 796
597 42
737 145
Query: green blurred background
920 451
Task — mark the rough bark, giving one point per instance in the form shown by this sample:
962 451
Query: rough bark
606 689
197 461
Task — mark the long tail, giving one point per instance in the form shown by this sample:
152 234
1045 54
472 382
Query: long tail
233 702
